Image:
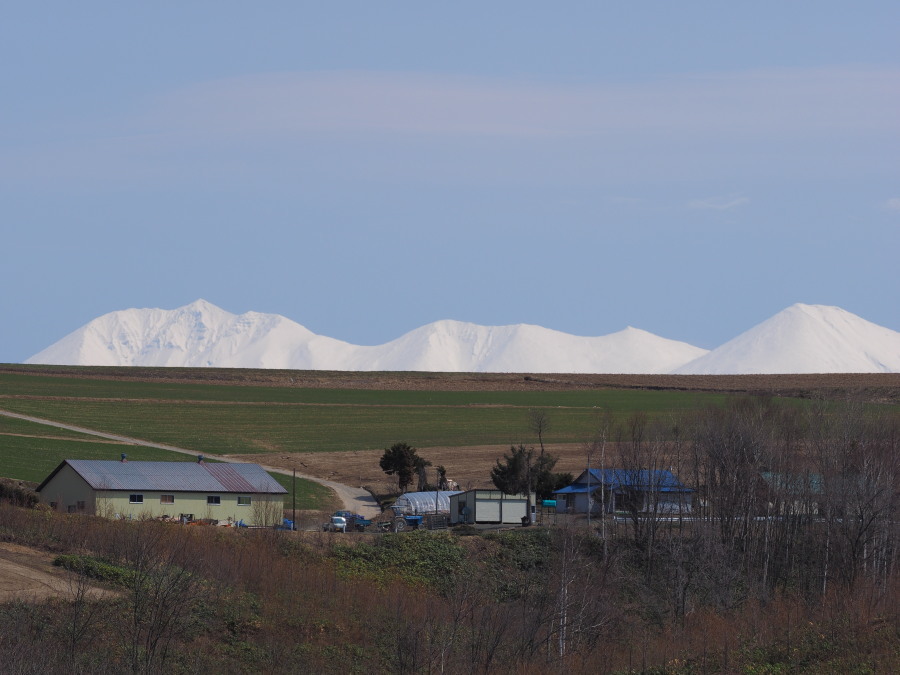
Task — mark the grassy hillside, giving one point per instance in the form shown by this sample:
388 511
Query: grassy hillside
218 418
30 451
229 411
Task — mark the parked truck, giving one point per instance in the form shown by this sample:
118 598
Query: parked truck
336 524
346 521
354 520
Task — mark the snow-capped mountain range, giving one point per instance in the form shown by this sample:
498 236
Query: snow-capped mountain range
799 339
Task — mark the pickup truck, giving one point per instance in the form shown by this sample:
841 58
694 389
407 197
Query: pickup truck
336 524
354 520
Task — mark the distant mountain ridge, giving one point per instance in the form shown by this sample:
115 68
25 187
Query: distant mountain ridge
800 339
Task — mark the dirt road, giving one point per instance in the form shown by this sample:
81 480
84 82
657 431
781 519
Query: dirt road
354 499
29 575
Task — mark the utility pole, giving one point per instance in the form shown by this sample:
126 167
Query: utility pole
603 492
590 451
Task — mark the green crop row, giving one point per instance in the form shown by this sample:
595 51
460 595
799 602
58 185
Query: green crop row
235 428
620 400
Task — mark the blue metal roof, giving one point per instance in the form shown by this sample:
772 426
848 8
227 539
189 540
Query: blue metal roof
637 479
576 488
173 476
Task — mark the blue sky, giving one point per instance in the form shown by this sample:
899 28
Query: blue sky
689 169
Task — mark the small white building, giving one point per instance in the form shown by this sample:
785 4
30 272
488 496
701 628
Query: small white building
183 490
489 506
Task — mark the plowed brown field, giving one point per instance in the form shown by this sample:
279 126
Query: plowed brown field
879 387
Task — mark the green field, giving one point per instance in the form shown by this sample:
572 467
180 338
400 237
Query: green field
214 418
33 457
223 419
13 426
30 451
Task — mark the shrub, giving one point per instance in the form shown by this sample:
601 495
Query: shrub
418 557
18 493
95 568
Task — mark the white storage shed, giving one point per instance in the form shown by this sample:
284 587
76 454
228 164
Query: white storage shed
489 506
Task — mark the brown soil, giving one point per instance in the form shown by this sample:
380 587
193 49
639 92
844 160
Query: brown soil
861 386
27 574
468 466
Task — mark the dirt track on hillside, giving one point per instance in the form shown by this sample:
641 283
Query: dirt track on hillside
27 574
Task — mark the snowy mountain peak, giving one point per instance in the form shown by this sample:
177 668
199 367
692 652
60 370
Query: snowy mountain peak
799 339
805 339
201 334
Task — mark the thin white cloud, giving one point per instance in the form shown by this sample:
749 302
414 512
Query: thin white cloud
750 104
893 204
719 203
456 128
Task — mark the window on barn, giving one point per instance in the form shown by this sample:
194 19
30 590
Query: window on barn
213 499
135 499
80 506
167 499
243 501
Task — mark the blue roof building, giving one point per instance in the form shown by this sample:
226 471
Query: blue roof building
625 490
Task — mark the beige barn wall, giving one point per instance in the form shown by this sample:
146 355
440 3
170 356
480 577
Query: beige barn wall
113 504
66 489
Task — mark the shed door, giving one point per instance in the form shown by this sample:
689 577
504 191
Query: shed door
514 510
488 511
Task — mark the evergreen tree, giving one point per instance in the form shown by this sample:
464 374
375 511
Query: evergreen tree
402 460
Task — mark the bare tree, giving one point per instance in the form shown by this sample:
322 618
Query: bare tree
267 509
643 462
421 467
443 483
539 423
582 606
162 594
858 459
83 615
